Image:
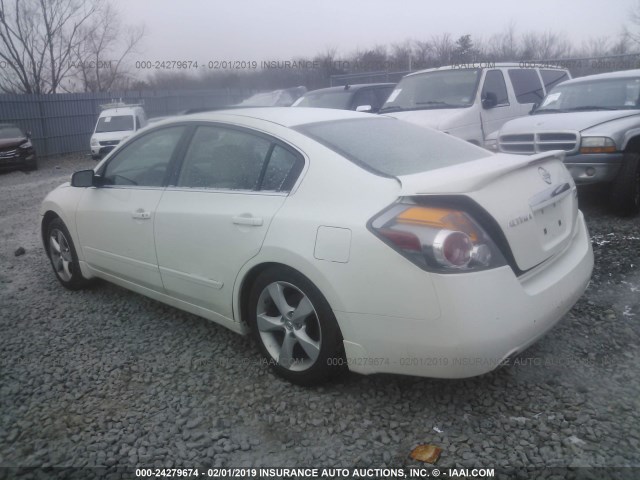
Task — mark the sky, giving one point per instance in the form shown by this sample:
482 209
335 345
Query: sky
247 30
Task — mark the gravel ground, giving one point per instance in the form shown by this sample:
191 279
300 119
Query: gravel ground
108 377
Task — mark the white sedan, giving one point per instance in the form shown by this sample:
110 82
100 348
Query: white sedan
338 239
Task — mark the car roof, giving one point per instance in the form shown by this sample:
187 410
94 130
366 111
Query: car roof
285 116
487 65
604 76
122 110
349 88
8 125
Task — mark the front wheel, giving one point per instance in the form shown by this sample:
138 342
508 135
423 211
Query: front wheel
295 328
63 257
32 165
625 192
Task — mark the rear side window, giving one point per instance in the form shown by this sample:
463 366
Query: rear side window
526 84
222 158
282 170
494 83
391 147
553 77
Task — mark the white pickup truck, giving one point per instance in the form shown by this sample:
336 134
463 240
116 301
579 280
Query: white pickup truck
595 120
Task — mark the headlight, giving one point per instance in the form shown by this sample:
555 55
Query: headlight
27 144
597 145
443 240
94 142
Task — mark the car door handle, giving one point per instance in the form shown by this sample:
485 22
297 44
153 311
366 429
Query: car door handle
246 220
141 214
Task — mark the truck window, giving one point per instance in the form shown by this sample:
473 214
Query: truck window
494 83
553 77
526 84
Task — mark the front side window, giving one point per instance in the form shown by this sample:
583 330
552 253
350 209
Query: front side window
494 83
222 158
365 97
144 161
116 123
526 85
454 88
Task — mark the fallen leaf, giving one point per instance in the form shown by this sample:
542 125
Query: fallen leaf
426 453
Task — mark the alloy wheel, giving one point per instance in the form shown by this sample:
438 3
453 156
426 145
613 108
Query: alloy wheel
60 252
288 325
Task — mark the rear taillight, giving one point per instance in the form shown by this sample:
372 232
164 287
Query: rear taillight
438 239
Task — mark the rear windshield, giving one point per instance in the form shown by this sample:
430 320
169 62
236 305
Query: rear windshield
392 147
116 123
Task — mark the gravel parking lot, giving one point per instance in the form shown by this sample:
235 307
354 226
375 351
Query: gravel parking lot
108 377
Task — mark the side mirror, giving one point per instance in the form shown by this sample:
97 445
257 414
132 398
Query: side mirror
83 179
29 134
364 108
489 100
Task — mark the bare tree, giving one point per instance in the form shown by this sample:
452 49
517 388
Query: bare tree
505 46
422 54
100 60
37 39
443 48
402 55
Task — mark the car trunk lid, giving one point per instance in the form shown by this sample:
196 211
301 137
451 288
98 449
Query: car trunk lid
532 198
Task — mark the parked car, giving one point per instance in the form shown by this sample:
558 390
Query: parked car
277 98
16 149
471 102
362 98
116 122
596 121
339 239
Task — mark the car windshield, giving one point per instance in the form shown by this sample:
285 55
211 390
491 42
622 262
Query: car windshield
439 89
336 99
276 98
608 94
116 123
392 147
10 132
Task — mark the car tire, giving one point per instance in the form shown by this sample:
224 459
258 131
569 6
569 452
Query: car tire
625 191
63 257
32 165
304 348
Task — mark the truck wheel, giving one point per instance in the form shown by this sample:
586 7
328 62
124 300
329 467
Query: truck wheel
625 192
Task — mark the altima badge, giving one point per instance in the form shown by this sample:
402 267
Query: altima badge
544 173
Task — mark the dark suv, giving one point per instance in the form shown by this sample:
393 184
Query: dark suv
362 98
16 150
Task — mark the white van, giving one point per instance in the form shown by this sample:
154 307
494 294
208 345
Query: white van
116 122
471 100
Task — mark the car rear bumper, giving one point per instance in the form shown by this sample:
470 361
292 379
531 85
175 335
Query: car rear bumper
486 317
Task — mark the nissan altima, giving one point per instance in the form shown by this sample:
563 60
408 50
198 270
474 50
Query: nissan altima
337 239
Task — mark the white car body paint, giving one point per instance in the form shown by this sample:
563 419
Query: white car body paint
418 322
